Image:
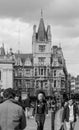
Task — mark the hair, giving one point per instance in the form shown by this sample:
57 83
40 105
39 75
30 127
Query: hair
41 92
9 93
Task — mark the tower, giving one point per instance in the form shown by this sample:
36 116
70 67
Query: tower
41 48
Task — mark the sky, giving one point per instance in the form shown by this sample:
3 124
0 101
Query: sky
17 18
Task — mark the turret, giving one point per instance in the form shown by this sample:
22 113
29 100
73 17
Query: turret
34 33
49 33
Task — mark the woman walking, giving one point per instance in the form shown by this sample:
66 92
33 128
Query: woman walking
40 111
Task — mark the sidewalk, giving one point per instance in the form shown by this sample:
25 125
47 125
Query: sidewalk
31 124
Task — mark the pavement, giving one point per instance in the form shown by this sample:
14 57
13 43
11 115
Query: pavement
31 124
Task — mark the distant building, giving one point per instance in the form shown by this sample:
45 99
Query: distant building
44 69
6 70
73 84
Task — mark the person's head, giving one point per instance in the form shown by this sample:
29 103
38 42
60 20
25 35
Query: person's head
40 96
70 102
17 97
9 93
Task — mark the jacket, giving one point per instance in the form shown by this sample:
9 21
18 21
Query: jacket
66 113
12 116
40 108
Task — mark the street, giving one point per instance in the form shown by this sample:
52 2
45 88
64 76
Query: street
31 124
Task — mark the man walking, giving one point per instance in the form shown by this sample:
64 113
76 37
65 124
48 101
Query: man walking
12 116
69 115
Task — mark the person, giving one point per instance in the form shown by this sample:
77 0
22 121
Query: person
58 117
1 96
28 104
17 99
12 116
76 127
40 110
69 115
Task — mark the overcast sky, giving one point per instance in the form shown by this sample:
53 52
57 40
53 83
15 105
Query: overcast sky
17 18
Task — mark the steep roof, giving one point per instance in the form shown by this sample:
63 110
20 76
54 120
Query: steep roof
23 55
41 30
22 58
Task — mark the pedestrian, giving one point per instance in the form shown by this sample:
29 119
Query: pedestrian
58 118
77 122
1 96
12 116
40 110
27 104
69 115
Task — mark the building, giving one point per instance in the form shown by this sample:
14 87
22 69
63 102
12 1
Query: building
44 69
6 70
75 84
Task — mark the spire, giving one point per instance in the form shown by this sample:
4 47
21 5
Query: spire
41 13
41 29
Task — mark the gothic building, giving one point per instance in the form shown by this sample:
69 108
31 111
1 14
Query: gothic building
43 69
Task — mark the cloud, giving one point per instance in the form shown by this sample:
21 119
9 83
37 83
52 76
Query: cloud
62 15
58 11
24 9
15 32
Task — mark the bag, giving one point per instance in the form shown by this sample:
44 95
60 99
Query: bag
62 127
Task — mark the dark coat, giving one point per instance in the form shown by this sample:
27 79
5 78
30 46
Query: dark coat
12 116
66 113
26 103
37 110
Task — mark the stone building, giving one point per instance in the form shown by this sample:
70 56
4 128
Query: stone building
6 70
75 84
44 69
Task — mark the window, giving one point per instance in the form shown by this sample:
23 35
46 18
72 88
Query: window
41 48
46 86
41 71
28 84
19 72
27 71
35 72
54 83
48 72
44 71
54 72
41 60
37 84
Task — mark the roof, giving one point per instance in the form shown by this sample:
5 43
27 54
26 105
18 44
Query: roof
41 30
23 55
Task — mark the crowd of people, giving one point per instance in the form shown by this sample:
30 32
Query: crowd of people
14 111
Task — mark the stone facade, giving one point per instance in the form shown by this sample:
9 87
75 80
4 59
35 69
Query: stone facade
6 70
44 69
75 84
